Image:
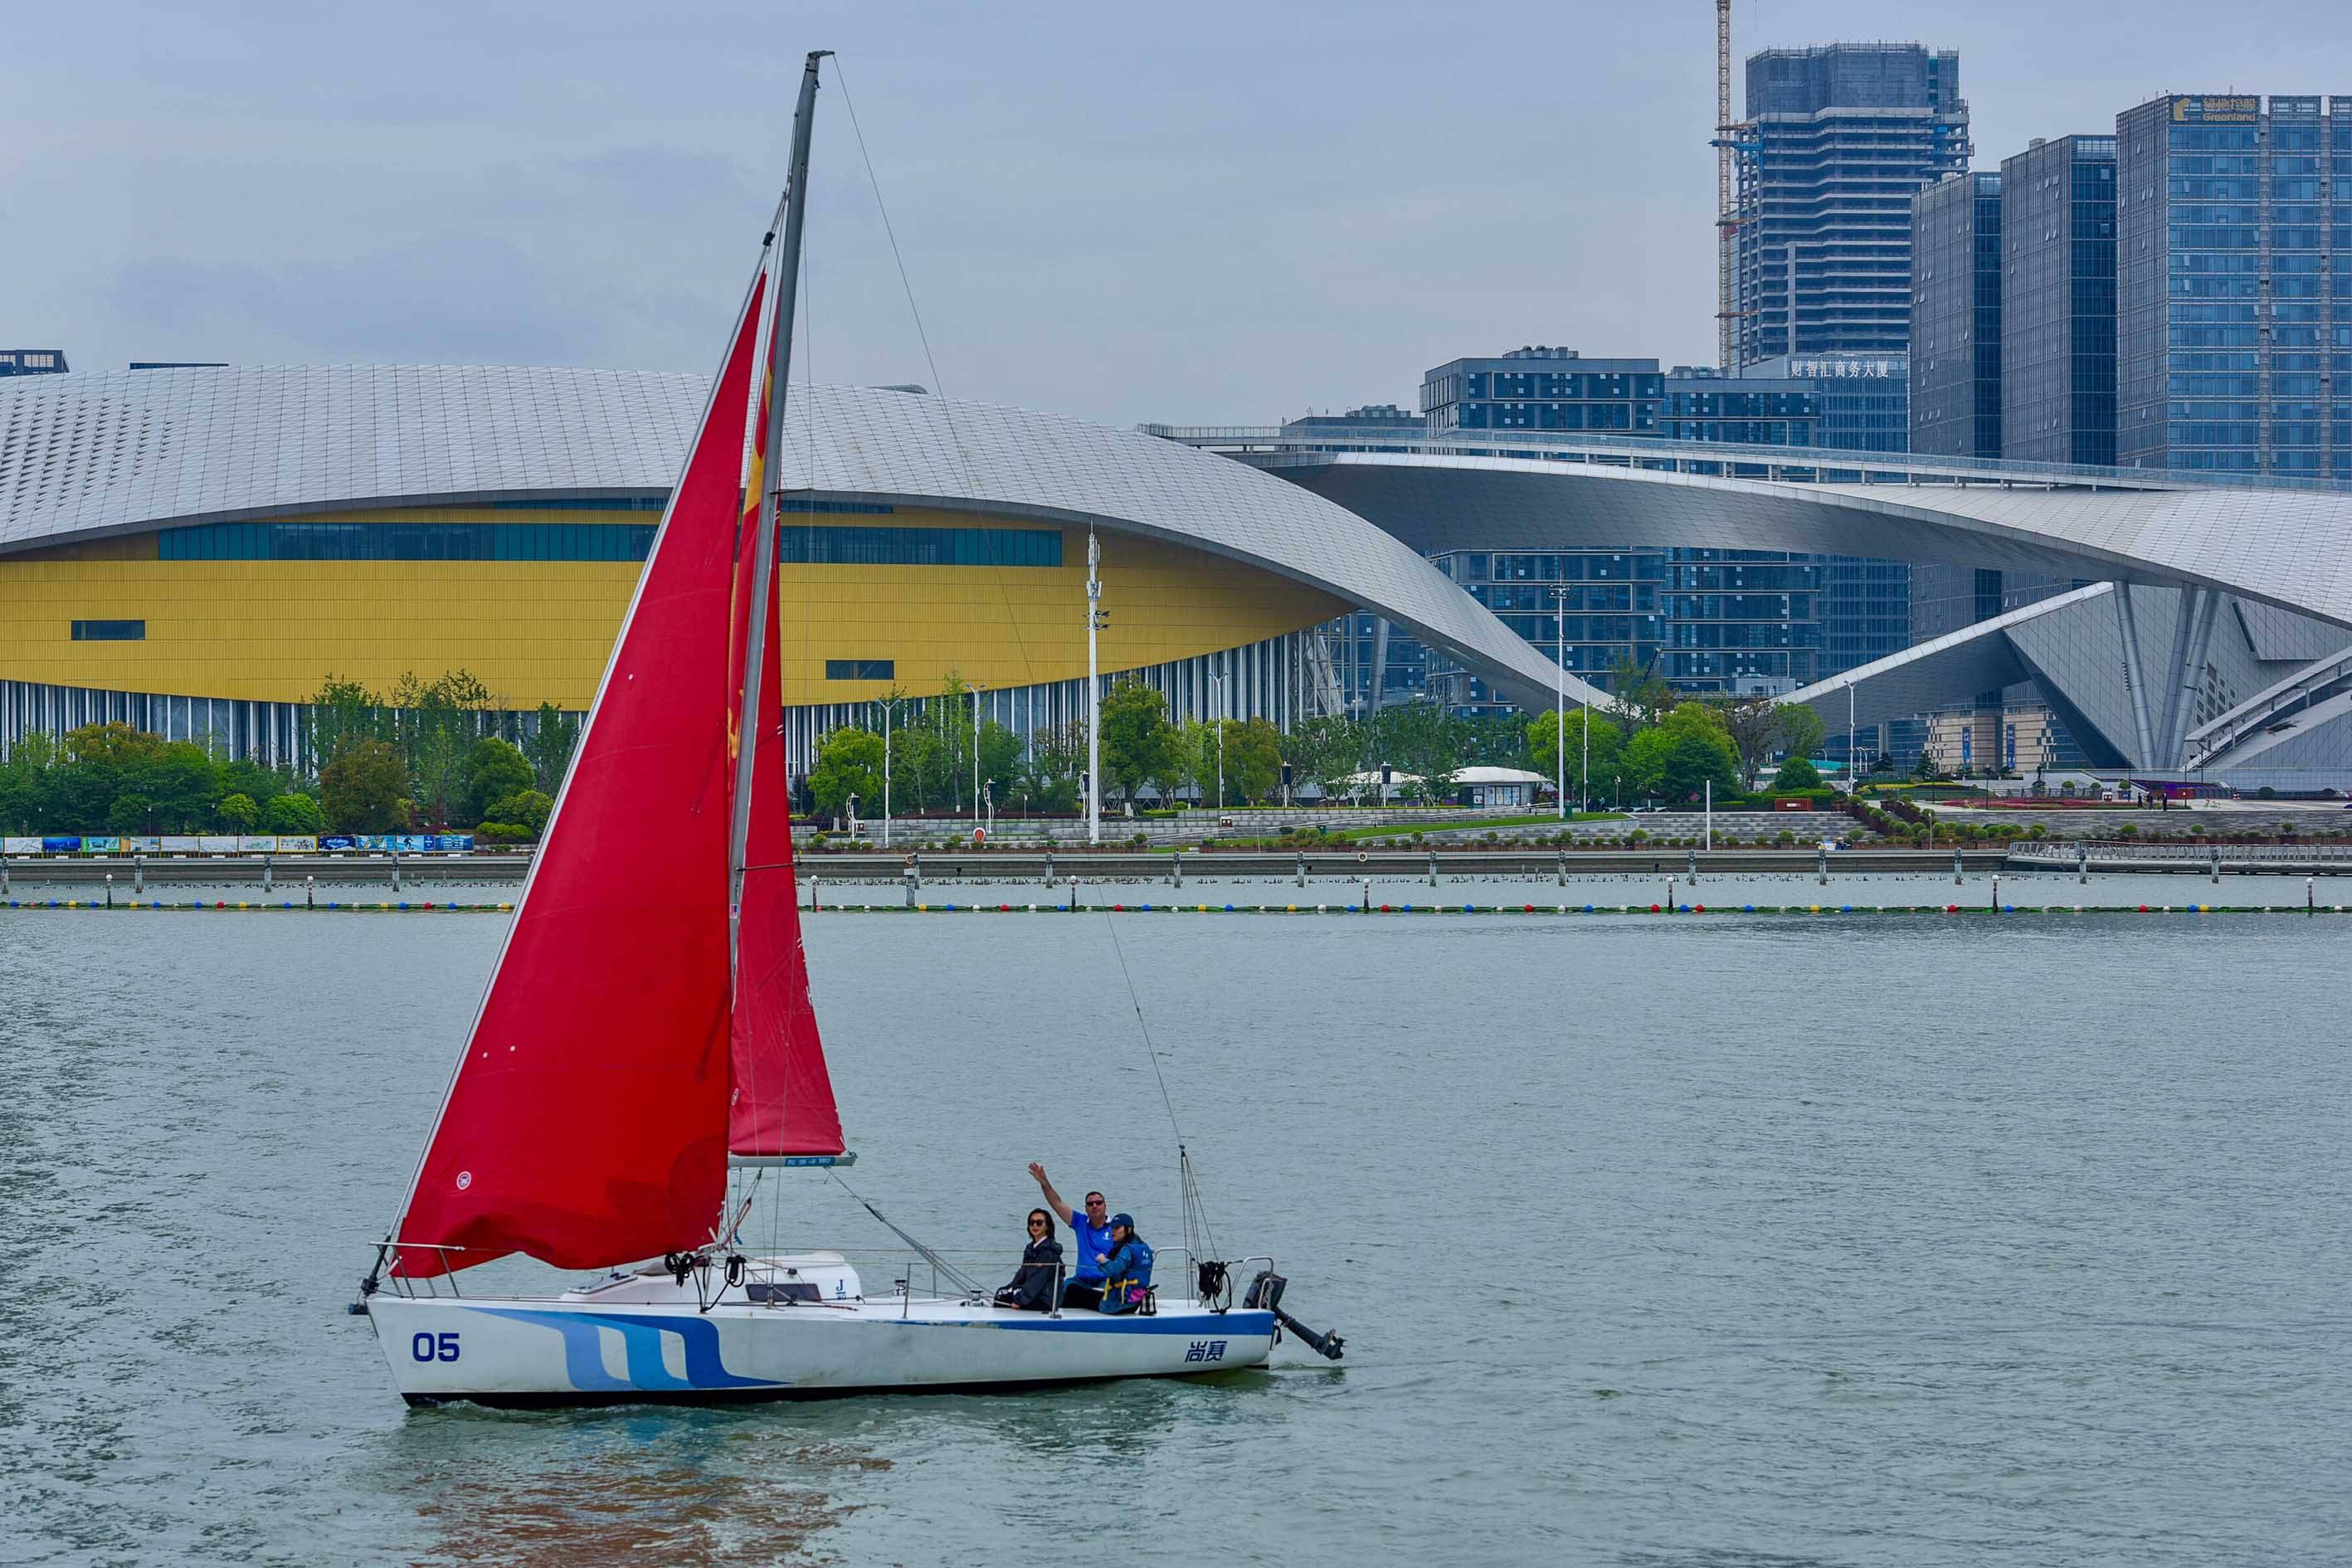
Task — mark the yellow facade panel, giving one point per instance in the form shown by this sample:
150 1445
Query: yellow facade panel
542 631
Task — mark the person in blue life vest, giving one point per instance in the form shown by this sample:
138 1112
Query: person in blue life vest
1126 1271
1090 1244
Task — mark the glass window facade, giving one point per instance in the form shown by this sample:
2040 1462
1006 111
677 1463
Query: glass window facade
861 668
820 544
1955 318
2058 303
109 631
2235 285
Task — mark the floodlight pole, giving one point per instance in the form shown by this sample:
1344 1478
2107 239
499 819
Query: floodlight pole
1560 696
1217 725
1094 693
886 772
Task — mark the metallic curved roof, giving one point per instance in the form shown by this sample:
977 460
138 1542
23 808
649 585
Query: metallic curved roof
2291 548
116 452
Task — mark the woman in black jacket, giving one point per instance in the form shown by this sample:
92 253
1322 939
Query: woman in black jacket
1036 1288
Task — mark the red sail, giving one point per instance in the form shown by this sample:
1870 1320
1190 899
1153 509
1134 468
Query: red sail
587 1125
782 1103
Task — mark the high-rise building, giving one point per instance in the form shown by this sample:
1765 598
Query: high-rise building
2058 302
32 361
2233 264
1544 388
1865 399
1843 136
1955 318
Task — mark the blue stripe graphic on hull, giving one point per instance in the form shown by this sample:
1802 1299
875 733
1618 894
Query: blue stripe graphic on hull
583 1353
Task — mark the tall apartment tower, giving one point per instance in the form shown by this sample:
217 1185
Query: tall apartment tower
2058 302
1955 318
1845 135
2234 286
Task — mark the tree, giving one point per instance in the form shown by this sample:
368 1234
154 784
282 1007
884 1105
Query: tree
1326 751
848 762
1421 739
1607 741
184 783
1754 725
1253 758
1796 774
237 812
1685 751
494 770
1000 761
292 813
342 714
1643 697
363 789
549 743
130 812
1136 736
526 809
1799 729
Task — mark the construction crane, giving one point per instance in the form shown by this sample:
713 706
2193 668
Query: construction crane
1730 140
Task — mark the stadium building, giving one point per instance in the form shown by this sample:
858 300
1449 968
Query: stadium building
197 550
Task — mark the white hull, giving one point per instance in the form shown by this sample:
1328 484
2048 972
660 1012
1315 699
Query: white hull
639 1338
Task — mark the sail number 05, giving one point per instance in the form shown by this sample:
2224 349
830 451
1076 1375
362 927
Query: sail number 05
434 1347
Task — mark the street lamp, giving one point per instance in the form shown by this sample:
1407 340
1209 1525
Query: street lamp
1560 694
886 706
1217 722
975 751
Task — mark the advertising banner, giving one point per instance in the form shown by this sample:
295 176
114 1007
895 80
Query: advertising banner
178 844
257 843
411 843
296 844
20 846
339 841
100 845
216 842
453 841
141 843
61 843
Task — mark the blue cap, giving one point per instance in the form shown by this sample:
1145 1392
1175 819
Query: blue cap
1126 1220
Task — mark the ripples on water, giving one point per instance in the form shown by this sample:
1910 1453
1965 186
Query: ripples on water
1903 1241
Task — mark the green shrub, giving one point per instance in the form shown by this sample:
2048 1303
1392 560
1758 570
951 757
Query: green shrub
502 833
293 813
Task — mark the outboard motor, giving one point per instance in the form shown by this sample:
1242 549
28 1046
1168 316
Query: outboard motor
1265 1295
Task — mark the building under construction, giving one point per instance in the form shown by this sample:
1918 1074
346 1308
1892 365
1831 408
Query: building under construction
1835 141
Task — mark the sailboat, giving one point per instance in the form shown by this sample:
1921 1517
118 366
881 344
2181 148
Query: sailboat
633 1074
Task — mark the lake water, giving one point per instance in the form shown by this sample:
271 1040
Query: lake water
1890 1240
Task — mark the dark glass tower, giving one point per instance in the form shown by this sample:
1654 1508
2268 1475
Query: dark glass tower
1955 318
2058 303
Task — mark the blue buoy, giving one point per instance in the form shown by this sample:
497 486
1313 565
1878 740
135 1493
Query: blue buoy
1229 909
1747 909
1845 909
1469 909
1146 909
2009 909
1588 908
404 905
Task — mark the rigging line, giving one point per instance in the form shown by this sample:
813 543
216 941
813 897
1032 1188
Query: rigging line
1149 1051
933 1259
939 383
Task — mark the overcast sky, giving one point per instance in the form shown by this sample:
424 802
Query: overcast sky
1196 213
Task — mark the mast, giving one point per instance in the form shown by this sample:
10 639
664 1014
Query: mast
780 362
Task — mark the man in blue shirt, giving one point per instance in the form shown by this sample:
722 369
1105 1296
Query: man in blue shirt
1091 1227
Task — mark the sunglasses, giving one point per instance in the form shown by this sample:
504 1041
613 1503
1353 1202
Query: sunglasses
1036 1225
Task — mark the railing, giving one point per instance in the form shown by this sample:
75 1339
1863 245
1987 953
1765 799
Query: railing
1902 468
2066 853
